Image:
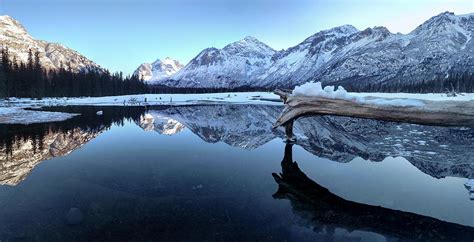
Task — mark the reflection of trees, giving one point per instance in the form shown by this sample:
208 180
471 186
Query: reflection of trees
22 147
88 120
327 211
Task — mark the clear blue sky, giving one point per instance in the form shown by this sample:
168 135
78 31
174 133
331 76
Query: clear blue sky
121 34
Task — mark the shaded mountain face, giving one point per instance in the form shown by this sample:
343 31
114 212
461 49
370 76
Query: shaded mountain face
343 56
158 70
52 55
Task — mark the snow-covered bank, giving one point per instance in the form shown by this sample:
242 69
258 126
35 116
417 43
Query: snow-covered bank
205 98
424 96
149 99
314 89
21 116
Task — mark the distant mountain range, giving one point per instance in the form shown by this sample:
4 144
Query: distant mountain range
343 55
438 49
52 55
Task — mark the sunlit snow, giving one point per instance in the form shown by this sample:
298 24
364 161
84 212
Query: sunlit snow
315 89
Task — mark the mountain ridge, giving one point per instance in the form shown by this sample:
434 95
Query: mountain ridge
342 55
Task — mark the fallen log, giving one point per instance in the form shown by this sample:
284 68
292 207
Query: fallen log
439 113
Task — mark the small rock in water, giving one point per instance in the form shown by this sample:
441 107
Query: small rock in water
200 186
470 185
74 216
99 113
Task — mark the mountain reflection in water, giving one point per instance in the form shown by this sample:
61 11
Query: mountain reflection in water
436 151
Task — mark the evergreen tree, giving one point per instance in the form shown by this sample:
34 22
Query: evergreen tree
3 78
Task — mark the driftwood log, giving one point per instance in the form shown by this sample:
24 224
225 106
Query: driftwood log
446 113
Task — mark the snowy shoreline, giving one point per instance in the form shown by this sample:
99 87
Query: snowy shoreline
203 98
12 110
148 99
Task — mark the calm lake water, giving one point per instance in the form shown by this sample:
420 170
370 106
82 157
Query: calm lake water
219 172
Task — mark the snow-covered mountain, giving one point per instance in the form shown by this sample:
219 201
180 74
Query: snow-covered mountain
52 55
302 61
237 64
431 51
158 70
341 55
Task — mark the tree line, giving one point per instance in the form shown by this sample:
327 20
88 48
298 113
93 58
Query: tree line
455 81
158 89
30 79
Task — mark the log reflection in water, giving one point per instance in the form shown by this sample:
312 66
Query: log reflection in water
327 210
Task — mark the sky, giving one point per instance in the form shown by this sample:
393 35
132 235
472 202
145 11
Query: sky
122 34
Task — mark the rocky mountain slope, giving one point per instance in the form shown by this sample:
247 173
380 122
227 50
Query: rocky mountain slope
158 70
52 55
343 55
237 64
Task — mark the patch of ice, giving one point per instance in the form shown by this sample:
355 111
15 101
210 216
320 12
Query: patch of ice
10 115
421 142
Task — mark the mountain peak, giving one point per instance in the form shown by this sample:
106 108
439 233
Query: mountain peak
250 39
446 22
7 18
336 32
158 70
345 29
166 60
11 25
248 43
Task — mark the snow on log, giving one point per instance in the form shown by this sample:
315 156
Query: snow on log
318 101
